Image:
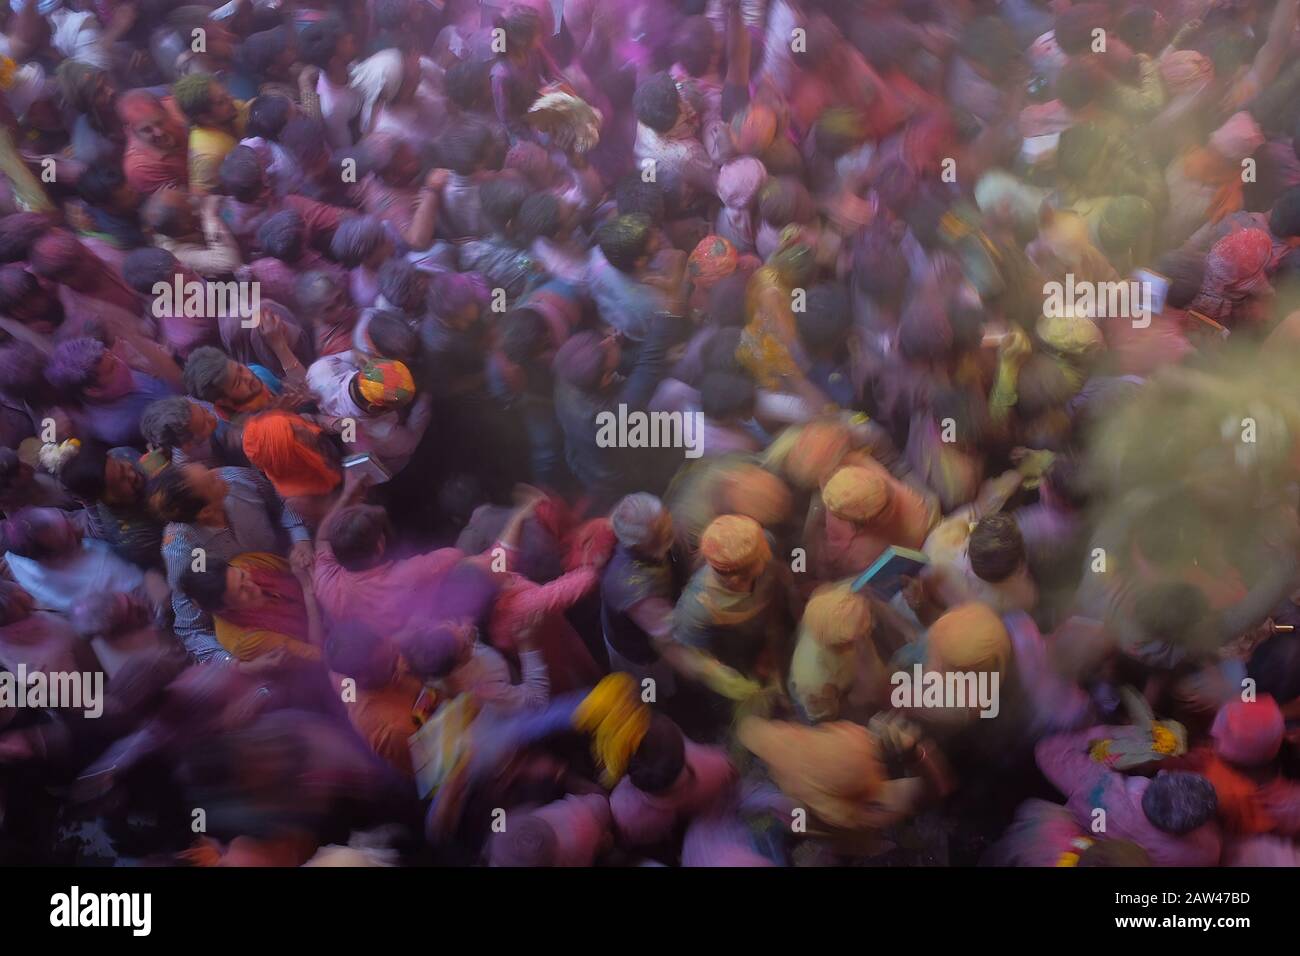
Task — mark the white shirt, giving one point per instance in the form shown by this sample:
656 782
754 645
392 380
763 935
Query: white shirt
339 105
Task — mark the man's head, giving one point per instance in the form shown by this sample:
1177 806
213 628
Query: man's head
84 369
361 241
627 242
204 101
92 475
1178 802
144 268
212 376
269 54
501 198
168 213
660 758
321 299
177 423
187 494
358 535
435 649
468 85
24 298
326 43
657 103
221 587
283 236
404 286
382 385
242 175
587 361
268 115
106 188
996 548
148 121
394 160
643 525
737 550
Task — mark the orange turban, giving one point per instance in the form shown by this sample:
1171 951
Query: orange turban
755 493
293 466
835 615
970 637
734 543
856 494
815 453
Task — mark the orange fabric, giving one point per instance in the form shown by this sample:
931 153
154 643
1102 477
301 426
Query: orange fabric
1208 167
734 543
293 467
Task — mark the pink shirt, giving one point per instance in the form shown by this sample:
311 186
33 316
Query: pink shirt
384 598
642 818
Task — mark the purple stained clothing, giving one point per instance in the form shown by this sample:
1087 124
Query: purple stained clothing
117 422
386 597
643 819
1040 835
1089 786
279 278
581 823
1056 703
363 284
623 301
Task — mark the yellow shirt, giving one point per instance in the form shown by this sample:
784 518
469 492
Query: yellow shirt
208 147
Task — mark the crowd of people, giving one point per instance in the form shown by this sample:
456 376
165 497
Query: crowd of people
314 319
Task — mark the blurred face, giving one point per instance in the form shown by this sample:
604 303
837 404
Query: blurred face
241 590
346 51
206 484
154 131
742 580
661 542
113 379
202 424
122 482
222 111
241 384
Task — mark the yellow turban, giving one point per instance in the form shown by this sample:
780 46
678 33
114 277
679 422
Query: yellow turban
386 383
856 493
617 720
815 453
755 493
734 543
835 615
970 637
